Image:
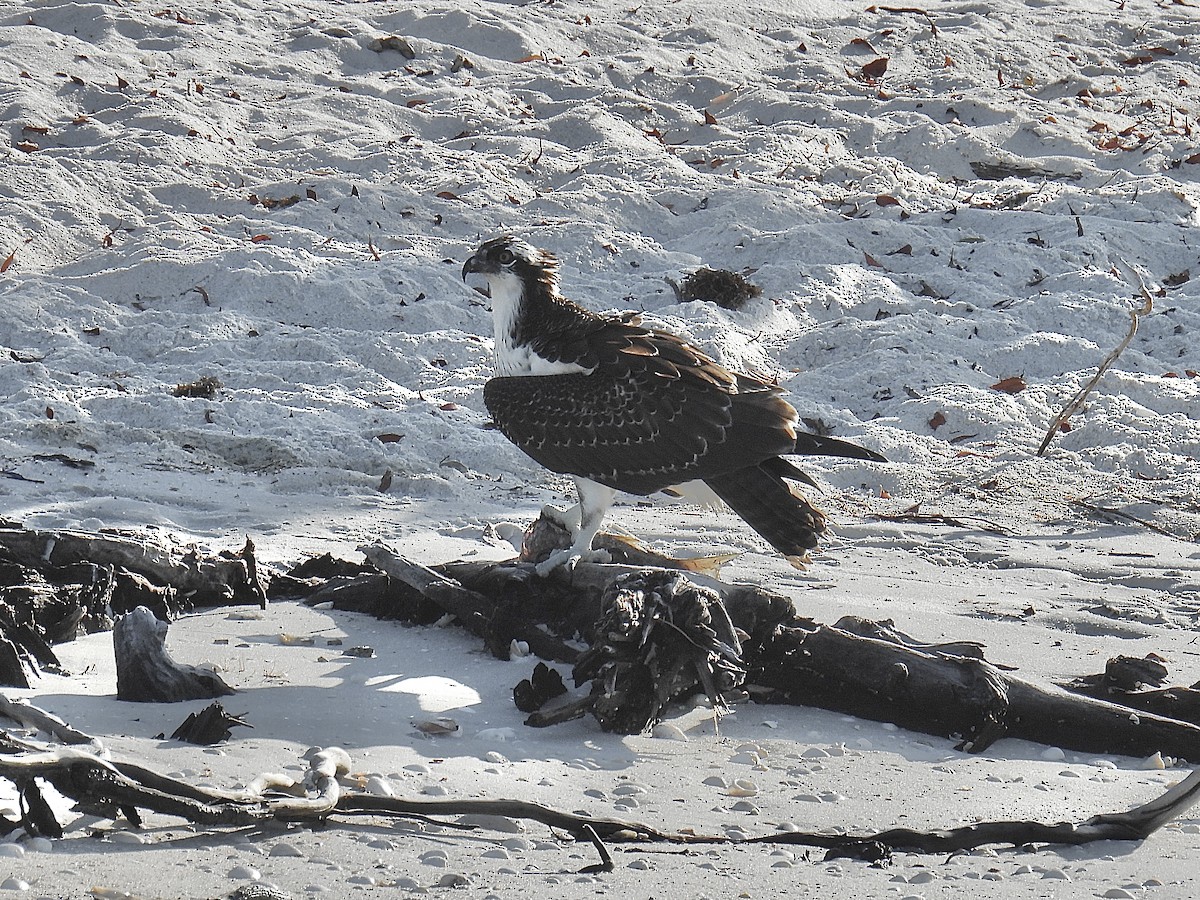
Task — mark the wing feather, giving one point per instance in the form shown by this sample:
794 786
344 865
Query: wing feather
654 412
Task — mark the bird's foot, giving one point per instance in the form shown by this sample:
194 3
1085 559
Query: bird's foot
569 558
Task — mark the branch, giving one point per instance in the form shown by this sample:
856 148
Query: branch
105 787
1076 402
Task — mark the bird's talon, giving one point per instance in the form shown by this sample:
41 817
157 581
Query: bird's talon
569 559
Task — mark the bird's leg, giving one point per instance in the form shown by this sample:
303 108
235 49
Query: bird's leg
594 501
567 518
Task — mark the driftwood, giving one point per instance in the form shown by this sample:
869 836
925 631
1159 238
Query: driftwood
209 726
653 634
56 585
227 578
111 788
146 672
865 669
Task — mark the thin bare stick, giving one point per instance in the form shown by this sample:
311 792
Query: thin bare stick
1076 402
606 861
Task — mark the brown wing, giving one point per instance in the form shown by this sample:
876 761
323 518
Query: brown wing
654 412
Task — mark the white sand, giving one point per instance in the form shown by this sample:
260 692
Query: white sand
140 134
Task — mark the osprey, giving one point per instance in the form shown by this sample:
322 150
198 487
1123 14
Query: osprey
623 407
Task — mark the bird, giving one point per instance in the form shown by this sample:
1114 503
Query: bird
623 407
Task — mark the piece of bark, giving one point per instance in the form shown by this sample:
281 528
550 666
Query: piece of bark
209 726
15 667
539 689
146 672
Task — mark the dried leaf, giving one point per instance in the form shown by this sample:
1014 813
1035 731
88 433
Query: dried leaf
393 42
448 195
875 69
938 420
887 200
259 238
871 261
532 57
1014 384
7 264
709 118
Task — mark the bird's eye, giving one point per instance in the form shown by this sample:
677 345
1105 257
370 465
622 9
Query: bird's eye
505 257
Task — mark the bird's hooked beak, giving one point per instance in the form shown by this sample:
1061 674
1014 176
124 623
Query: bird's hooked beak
475 263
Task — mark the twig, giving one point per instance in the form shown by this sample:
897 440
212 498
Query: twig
1133 825
1128 517
606 861
1076 402
938 519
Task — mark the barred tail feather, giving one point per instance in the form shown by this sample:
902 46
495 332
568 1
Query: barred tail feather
816 445
783 518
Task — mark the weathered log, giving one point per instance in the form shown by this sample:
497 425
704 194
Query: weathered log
947 690
951 695
229 577
29 716
146 672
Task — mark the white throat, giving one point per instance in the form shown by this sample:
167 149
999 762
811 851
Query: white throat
513 359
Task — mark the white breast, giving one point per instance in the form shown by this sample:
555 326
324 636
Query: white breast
506 291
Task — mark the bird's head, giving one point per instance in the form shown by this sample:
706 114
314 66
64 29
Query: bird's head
511 263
